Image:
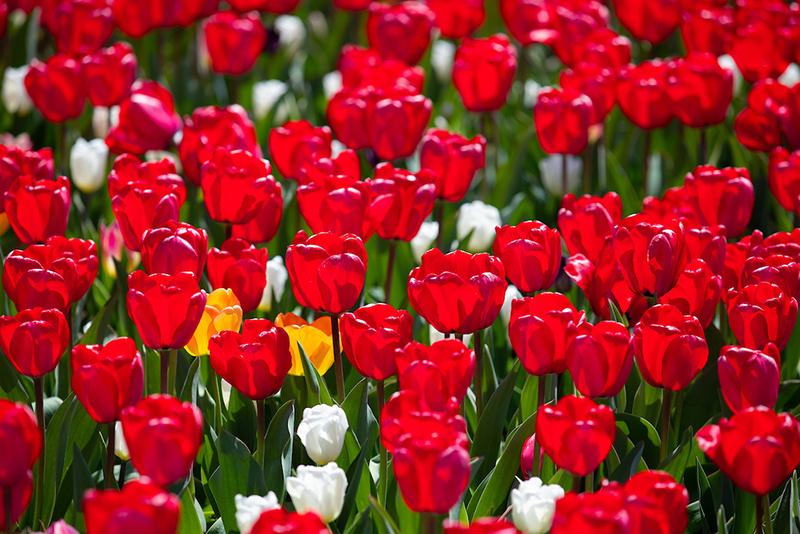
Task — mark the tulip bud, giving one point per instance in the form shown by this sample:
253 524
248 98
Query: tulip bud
318 489
422 242
478 221
120 445
15 96
87 162
277 275
533 505
249 509
322 432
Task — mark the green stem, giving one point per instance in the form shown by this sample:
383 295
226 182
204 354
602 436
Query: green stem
384 466
429 524
164 389
173 370
262 431
122 467
537 450
478 379
759 515
337 358
767 513
9 521
577 483
387 288
215 392
38 386
666 405
110 456
590 482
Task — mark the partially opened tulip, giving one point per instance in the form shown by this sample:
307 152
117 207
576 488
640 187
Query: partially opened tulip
437 373
34 340
322 432
263 227
585 222
109 74
531 255
87 164
595 82
642 93
318 489
761 313
370 337
236 185
222 312
315 338
410 197
174 247
38 209
654 500
700 89
141 506
292 144
697 292
147 120
56 87
758 126
562 120
600 358
454 161
457 19
241 267
483 71
749 377
400 31
721 197
533 505
603 47
234 41
649 20
707 29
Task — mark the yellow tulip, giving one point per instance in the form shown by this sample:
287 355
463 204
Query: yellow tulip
315 338
222 312
4 224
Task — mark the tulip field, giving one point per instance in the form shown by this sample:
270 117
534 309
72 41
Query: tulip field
399 266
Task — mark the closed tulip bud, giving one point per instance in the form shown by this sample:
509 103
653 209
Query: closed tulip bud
22 442
147 120
56 87
87 161
400 31
604 511
586 222
141 506
477 221
109 74
38 209
600 358
757 448
277 276
562 120
761 313
454 160
396 120
14 94
34 340
292 144
322 432
533 505
249 509
241 267
222 312
234 41
410 198
370 337
651 20
318 489
484 525
174 247
749 377
642 93
279 521
483 71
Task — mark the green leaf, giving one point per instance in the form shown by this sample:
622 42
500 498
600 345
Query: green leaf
278 446
242 419
629 465
675 463
317 390
12 388
97 329
723 525
639 429
783 516
81 477
362 524
189 389
389 526
706 499
529 397
744 519
647 402
189 521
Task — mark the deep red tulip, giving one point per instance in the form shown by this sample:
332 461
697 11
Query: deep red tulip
600 358
757 448
263 227
700 90
670 347
572 21
577 433
777 269
484 525
396 121
107 379
234 41
400 31
784 178
697 292
760 49
407 412
140 208
758 126
163 436
16 162
361 67
344 169
410 197
562 120
454 160
347 115
761 313
457 292
642 94
82 26
147 120
173 248
707 29
109 74
439 372
34 340
602 512
294 143
749 377
370 337
84 254
603 47
674 205
707 244
21 493
650 255
256 361
236 185
141 506
529 22
656 503
531 255
649 20
351 5
280 521
585 222
166 309
457 19
540 330
327 271
276 7
595 82
210 128
129 169
239 266
56 87
21 441
483 71
38 209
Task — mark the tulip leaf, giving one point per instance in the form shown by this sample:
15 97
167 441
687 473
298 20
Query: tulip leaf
647 402
97 329
706 499
189 389
317 389
217 528
529 396
362 523
675 463
629 465
702 399
242 420
783 515
10 386
278 445
81 477
744 518
389 526
639 429
189 521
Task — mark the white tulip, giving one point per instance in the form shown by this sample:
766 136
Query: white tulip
291 32
512 293
727 62
423 241
534 505
120 446
551 168
442 54
480 219
265 95
332 83
100 121
318 489
322 432
249 509
225 388
530 93
15 96
87 163
277 275
434 336
790 76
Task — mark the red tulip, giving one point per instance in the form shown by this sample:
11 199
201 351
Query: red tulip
173 248
356 61
236 185
347 115
531 255
109 74
595 82
484 525
407 412
707 244
437 373
163 436
457 19
529 22
761 50
761 313
458 292
107 379
586 222
410 198
642 94
370 337
674 206
129 169
784 178
600 358
140 208
147 120
82 26
540 330
256 361
362 67
16 162
697 292
263 227
576 433
707 29
141 506
296 142
56 87
656 503
277 7
351 5
757 448
649 20
166 309
239 266
84 254
279 521
38 209
700 89
401 31
670 347
397 120
602 512
454 161
211 128
234 41
21 441
21 493
483 71
749 377
34 340
603 47
327 271
777 269
562 120
758 126
344 169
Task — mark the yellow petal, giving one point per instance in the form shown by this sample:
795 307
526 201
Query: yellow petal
317 345
222 298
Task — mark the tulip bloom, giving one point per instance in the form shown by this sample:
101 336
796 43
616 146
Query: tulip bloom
531 255
20 497
586 222
164 436
655 501
761 313
80 27
697 292
222 312
256 361
784 178
758 126
437 373
595 82
400 31
234 41
453 160
56 87
22 443
700 90
38 209
166 309
407 413
397 120
410 199
600 358
783 271
485 525
16 162
540 331
107 379
562 120
241 267
147 120
723 197
533 504
707 29
174 247
41 276
141 506
322 432
749 377
649 20
34 340
456 19
458 292
642 94
604 511
296 142
140 207
279 521
761 50
327 271
370 337
263 227
318 489
109 74
670 347
483 71
603 47
757 448
316 339
576 433
236 185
